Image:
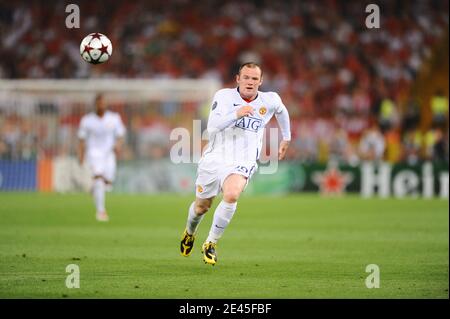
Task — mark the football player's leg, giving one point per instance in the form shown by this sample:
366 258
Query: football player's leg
232 187
98 187
207 186
103 169
197 210
99 196
106 172
196 213
109 172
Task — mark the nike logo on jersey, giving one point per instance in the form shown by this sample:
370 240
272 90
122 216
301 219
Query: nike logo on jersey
249 123
219 226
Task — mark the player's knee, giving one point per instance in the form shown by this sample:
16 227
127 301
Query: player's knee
231 195
201 208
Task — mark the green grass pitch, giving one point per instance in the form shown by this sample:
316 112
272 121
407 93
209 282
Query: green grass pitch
298 246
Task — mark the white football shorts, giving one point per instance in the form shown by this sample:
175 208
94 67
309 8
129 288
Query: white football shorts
103 165
212 174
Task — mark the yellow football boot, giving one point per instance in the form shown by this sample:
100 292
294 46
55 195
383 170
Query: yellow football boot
209 253
187 242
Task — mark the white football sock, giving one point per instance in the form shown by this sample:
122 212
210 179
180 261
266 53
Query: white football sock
193 220
222 217
99 195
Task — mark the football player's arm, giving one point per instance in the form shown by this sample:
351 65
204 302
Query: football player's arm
120 136
82 134
282 117
222 116
81 151
118 145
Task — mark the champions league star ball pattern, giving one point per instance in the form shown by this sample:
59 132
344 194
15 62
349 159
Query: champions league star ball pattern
96 48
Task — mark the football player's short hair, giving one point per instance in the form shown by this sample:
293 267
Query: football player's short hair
98 96
250 65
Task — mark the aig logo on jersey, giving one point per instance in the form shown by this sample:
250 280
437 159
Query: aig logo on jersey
249 123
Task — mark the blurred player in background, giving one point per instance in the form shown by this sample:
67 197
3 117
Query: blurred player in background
235 127
101 135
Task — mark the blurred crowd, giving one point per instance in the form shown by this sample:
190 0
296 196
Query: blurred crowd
349 89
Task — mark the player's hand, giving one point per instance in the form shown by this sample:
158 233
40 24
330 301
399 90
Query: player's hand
282 150
244 111
117 150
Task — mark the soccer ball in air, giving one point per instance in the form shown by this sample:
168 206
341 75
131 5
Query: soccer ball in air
96 48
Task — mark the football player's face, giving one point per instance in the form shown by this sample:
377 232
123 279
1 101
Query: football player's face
100 104
249 80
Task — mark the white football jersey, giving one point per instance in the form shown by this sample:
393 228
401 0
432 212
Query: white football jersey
100 133
240 140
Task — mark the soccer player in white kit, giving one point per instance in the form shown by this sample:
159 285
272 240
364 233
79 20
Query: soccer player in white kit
101 135
236 127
